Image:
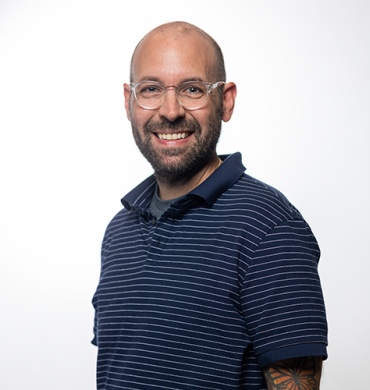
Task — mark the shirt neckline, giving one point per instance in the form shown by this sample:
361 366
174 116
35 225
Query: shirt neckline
217 183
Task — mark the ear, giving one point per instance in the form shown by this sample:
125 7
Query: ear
127 94
229 101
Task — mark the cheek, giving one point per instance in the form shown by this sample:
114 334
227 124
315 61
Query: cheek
140 116
204 116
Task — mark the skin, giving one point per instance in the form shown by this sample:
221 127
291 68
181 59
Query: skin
172 58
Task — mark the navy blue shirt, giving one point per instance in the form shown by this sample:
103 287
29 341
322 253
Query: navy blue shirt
222 284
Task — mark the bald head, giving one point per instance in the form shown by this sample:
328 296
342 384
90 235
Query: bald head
179 31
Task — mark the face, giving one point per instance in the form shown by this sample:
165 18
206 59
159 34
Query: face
178 143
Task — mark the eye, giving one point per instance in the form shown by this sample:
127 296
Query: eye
147 90
194 91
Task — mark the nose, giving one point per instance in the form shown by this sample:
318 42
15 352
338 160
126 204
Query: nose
171 108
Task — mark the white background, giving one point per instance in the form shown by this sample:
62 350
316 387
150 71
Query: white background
67 157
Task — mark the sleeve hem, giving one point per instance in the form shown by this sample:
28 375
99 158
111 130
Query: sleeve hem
293 351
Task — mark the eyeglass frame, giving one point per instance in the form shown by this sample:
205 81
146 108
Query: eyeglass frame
210 87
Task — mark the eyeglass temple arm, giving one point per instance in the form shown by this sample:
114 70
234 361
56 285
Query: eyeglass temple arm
215 85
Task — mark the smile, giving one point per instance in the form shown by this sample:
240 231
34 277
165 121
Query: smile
173 136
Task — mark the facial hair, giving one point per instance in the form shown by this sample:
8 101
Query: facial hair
193 159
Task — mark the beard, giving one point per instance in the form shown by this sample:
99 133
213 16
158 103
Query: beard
189 161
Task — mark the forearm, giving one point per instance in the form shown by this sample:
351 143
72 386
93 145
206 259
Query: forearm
295 374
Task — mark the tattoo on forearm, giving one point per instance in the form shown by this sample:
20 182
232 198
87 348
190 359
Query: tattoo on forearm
294 374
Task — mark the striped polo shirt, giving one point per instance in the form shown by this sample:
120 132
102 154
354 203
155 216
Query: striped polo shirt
222 284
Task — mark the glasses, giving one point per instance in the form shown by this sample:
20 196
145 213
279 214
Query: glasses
190 95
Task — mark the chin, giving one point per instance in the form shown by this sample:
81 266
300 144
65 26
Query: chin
173 170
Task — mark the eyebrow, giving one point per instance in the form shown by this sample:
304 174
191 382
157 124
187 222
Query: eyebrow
158 80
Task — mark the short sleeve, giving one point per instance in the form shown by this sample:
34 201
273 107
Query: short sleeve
94 341
282 299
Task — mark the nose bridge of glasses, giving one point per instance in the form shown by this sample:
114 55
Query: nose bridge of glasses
171 106
175 94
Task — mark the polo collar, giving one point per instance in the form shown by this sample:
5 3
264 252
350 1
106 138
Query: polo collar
227 174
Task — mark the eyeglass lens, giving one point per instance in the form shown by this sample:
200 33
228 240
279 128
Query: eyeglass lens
190 95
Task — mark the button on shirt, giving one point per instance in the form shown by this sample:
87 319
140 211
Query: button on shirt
224 283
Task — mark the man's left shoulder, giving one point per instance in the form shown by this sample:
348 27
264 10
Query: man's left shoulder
256 196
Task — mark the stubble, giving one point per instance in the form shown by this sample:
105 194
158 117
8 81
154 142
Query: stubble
173 165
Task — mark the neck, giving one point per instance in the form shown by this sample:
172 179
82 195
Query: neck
169 191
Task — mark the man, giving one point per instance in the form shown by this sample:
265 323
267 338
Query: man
209 277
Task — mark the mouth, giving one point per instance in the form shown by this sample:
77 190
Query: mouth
173 136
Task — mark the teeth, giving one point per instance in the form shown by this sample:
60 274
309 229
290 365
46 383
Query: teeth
171 136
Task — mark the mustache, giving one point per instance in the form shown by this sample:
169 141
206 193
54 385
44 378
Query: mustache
179 124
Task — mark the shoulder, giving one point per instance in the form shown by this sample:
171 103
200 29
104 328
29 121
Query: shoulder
266 203
116 222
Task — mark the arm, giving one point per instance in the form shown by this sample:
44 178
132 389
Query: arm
294 374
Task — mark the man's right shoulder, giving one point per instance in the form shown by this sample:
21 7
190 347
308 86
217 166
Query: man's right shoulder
122 218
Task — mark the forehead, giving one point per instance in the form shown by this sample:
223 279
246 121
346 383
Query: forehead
173 59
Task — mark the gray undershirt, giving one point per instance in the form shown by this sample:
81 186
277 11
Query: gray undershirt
159 206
